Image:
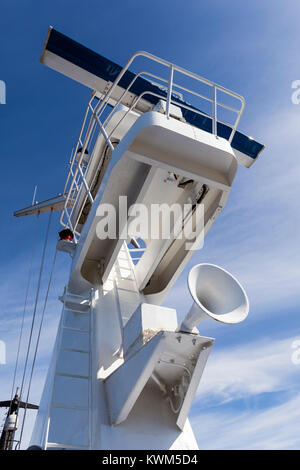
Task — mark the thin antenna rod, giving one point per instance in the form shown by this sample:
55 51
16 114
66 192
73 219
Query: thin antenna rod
34 195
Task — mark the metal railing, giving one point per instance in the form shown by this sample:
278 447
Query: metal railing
77 189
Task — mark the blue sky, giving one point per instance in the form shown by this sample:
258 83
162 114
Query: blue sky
249 395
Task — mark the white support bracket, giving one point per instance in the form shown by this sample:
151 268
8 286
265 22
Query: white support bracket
172 359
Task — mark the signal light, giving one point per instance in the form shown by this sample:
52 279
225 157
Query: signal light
66 234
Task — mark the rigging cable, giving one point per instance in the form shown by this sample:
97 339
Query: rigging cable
24 309
35 309
37 342
169 399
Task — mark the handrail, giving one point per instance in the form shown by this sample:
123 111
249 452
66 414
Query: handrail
76 184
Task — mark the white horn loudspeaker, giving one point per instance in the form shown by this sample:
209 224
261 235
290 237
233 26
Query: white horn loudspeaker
216 294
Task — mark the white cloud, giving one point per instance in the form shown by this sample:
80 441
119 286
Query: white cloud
275 428
250 369
244 373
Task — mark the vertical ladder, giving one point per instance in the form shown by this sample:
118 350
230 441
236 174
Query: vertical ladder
70 401
128 293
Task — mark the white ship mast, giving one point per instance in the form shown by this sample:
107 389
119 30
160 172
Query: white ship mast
123 373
